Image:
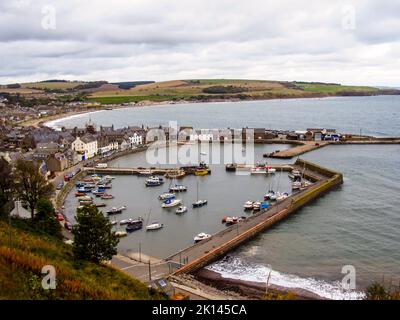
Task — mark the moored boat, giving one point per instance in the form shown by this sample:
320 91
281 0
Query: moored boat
231 167
178 188
181 209
169 203
120 234
154 226
201 172
248 205
201 236
199 203
166 195
106 196
154 181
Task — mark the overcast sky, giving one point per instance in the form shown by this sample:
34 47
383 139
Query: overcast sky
350 42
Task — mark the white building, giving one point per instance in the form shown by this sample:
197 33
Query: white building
111 146
135 139
86 146
203 135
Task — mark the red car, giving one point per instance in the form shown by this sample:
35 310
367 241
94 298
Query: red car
60 217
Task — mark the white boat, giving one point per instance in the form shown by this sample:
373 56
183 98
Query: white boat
248 205
282 196
169 203
154 226
121 233
109 177
154 181
178 188
181 209
256 205
296 185
125 221
269 194
269 170
166 195
113 223
201 236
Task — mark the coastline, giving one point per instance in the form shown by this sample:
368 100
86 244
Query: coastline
43 122
252 289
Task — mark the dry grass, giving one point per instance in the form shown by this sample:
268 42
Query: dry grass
21 266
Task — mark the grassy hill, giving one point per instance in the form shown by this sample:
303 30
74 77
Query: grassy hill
219 89
21 265
191 90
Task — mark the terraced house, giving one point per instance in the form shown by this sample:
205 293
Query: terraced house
86 146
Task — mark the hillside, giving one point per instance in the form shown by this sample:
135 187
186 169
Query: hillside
211 90
21 265
190 90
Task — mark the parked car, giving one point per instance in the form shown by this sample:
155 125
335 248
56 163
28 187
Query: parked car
68 225
60 217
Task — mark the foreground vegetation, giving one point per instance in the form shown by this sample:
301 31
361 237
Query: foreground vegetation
24 251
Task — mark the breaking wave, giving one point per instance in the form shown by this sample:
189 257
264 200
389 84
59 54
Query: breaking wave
236 268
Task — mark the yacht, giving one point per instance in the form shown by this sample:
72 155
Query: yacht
178 188
166 196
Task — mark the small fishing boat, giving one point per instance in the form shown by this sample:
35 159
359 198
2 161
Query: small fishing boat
233 220
85 202
248 205
109 177
121 234
134 225
296 185
98 192
83 190
231 167
154 181
258 170
256 206
201 236
181 209
154 226
125 221
106 196
113 223
199 203
166 195
114 210
169 203
269 194
201 172
178 188
80 194
83 198
100 204
282 196
295 175
269 170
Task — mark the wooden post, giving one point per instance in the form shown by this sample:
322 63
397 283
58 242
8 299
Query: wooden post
149 270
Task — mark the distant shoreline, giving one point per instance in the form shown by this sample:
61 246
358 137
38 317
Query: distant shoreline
43 122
